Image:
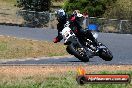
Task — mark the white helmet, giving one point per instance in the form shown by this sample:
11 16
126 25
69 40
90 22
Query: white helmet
77 13
61 12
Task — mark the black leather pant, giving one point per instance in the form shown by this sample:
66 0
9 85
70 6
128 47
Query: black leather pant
89 35
60 27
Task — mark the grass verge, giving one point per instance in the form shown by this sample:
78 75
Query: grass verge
21 48
55 76
8 1
68 81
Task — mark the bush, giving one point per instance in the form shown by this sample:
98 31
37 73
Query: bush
121 9
35 19
35 12
34 5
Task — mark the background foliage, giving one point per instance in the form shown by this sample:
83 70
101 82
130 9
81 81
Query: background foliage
94 7
37 12
121 9
117 9
34 5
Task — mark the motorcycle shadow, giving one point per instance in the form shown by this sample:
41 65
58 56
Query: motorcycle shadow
77 61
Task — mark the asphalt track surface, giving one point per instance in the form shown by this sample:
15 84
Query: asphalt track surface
119 44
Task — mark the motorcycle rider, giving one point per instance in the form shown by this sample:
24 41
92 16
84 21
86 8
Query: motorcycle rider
61 18
75 19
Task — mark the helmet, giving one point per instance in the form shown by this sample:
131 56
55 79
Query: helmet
61 12
61 15
78 16
77 13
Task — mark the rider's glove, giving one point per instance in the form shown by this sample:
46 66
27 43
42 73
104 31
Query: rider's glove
55 40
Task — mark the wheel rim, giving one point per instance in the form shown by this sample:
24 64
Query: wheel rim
107 52
80 51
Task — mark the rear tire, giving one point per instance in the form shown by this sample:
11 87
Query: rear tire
72 48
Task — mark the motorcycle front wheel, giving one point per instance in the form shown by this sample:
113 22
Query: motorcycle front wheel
78 52
105 53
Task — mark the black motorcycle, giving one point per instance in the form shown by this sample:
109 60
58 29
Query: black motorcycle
82 48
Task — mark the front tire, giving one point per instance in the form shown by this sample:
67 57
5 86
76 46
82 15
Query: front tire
80 54
68 50
105 54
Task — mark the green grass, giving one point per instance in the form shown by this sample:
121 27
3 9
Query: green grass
9 1
3 46
66 80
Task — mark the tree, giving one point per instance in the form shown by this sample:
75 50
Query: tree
34 5
36 12
94 7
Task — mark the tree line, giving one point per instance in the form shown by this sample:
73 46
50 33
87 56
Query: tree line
34 5
120 9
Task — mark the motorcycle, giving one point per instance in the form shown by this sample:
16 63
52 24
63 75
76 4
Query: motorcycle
82 48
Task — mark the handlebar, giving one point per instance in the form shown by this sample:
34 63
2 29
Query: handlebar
67 24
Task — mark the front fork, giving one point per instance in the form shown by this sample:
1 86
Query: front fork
88 51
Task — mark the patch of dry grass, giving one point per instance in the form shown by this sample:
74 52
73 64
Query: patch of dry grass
110 29
37 74
8 12
22 48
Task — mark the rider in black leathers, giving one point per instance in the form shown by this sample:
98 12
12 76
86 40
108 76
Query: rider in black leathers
74 21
